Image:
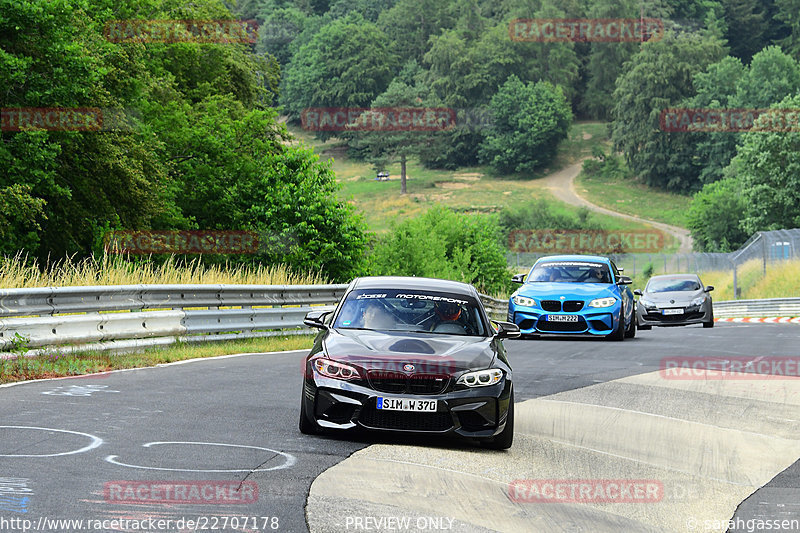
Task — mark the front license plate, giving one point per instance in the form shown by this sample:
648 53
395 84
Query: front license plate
562 318
672 311
407 404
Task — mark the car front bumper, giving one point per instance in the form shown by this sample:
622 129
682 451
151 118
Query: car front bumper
590 321
478 412
691 315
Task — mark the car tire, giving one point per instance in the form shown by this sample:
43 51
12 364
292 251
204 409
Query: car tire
504 440
619 332
710 323
307 426
631 331
645 327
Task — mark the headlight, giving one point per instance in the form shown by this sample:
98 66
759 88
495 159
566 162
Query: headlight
699 301
335 370
602 302
481 378
646 303
524 301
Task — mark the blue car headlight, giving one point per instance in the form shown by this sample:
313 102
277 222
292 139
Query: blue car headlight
524 301
602 302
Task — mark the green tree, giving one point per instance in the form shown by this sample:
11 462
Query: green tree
605 60
767 165
714 217
529 122
346 64
383 147
444 244
658 77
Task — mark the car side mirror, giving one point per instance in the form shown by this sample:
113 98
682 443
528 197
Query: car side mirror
637 292
709 288
507 330
518 278
316 319
624 280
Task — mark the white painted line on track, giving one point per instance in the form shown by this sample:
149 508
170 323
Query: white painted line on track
96 441
290 459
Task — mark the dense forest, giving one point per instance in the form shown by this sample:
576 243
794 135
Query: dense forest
206 148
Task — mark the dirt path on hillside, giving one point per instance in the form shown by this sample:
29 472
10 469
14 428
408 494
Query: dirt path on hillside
562 185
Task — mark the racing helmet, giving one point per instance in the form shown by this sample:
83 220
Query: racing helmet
447 311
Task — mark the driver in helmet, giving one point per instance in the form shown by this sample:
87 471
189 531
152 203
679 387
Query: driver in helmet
445 312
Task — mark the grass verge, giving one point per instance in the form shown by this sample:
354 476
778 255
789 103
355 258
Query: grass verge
54 365
633 198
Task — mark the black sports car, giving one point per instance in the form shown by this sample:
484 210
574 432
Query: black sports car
410 355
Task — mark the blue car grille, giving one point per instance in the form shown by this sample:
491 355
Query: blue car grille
551 305
554 306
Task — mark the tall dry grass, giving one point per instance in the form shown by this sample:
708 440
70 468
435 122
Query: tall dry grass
18 272
782 280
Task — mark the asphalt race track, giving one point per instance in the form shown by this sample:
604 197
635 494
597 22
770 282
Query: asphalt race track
216 442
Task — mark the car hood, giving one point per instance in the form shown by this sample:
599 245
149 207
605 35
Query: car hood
577 291
677 296
391 350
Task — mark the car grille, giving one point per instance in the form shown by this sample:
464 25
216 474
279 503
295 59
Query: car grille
402 420
551 305
673 318
397 382
546 325
573 306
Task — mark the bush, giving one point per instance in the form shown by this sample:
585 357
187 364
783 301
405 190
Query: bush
447 245
539 214
715 215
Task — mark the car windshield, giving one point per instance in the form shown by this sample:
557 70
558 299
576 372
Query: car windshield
411 311
570 272
673 285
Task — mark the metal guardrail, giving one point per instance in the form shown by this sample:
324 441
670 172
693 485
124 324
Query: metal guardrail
121 318
786 307
130 317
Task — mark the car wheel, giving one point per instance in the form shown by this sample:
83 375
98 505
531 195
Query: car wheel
630 332
504 440
710 323
619 332
645 327
307 426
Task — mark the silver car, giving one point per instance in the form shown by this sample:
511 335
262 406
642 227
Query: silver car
674 300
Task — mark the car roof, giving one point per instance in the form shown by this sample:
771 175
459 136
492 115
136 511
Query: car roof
595 258
403 282
692 277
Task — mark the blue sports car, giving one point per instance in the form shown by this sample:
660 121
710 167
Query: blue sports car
574 295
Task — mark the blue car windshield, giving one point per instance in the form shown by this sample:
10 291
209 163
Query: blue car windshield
411 311
570 272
